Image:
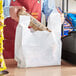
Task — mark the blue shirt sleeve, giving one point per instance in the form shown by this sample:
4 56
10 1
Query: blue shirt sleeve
6 4
47 8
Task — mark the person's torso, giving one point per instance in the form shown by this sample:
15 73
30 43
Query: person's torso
33 6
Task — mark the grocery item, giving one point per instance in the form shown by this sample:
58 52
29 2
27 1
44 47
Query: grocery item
35 24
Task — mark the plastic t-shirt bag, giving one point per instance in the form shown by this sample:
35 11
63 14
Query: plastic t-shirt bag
35 49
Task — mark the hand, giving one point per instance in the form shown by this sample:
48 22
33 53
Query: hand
14 12
62 18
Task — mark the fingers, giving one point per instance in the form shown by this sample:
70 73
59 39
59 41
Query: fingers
23 8
62 15
14 12
62 18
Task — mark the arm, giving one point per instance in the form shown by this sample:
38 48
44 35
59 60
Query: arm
9 9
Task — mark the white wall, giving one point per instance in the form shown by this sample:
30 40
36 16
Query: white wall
72 5
58 3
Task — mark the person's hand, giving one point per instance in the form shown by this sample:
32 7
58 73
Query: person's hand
14 12
62 16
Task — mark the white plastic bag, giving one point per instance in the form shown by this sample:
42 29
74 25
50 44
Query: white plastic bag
35 49
54 24
53 20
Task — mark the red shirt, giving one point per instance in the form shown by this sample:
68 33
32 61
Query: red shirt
34 8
